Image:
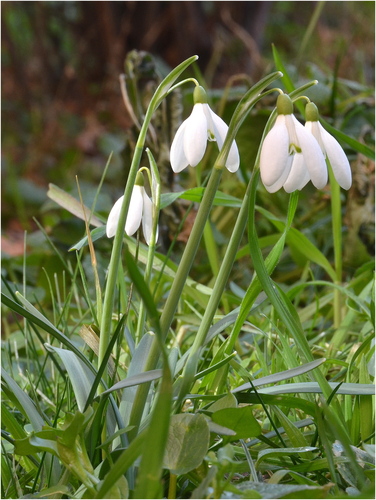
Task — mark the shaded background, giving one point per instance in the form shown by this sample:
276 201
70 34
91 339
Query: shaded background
61 102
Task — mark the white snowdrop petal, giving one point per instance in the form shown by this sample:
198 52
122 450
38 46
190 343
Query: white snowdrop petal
313 128
135 211
220 130
177 156
273 188
298 176
113 218
147 217
313 156
195 136
274 157
337 158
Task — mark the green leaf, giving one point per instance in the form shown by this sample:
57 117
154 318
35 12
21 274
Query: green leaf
80 376
67 201
240 420
277 377
187 443
309 387
286 80
141 378
34 444
286 401
228 401
95 234
23 402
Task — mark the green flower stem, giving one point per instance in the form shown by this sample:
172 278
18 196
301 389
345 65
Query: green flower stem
216 296
190 249
337 243
157 98
105 328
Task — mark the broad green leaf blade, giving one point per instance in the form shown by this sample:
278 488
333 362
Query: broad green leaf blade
80 376
240 420
25 403
277 377
67 201
141 378
308 387
137 367
187 443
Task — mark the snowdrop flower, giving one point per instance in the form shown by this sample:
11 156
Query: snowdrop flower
290 155
330 147
189 144
140 211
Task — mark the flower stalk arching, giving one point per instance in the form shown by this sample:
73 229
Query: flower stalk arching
108 301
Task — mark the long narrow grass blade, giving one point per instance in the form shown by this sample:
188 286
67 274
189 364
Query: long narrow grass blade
277 377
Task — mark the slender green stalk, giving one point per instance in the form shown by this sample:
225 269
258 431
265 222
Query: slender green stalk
157 98
335 201
117 246
190 250
172 485
216 296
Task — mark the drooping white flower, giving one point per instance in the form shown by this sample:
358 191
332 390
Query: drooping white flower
330 147
290 155
189 144
140 211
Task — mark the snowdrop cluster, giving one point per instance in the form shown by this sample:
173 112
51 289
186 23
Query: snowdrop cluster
291 156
